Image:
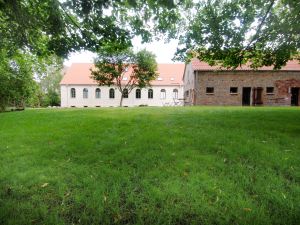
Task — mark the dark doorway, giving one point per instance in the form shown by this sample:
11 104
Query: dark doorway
295 96
246 96
257 96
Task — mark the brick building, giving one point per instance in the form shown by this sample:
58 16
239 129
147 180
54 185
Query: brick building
207 85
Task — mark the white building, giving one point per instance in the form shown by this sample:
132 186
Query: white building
78 89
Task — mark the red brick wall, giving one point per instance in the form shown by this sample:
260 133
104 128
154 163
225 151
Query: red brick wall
223 80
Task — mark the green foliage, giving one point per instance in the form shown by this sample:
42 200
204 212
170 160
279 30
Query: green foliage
59 27
231 33
16 79
49 77
18 86
171 165
112 66
226 32
36 99
51 98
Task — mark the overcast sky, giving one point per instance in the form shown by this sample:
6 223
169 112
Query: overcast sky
164 52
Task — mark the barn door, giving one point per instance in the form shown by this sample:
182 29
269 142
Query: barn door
257 96
295 96
246 96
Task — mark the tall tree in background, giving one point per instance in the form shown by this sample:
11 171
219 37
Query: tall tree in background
234 32
16 80
19 87
112 66
48 80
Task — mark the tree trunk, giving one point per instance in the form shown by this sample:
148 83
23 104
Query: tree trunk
121 101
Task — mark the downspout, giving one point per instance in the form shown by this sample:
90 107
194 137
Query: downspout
194 89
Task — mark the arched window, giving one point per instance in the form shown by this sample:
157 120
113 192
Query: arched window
150 93
125 93
175 94
162 94
73 93
138 93
98 93
85 93
111 93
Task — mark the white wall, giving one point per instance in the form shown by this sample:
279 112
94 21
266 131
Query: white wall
189 84
105 101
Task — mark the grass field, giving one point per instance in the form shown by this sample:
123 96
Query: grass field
192 165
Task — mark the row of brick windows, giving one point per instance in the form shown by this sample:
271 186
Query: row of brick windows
138 93
234 90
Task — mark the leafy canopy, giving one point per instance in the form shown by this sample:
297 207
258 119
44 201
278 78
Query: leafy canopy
234 32
59 27
16 79
227 32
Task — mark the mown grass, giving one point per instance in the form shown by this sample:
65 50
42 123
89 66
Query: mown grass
192 165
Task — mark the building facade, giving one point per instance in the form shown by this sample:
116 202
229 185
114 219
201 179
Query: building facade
206 85
78 89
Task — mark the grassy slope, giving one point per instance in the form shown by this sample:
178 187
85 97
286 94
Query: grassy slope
205 165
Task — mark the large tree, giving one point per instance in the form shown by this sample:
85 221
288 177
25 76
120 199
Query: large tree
16 79
60 27
48 79
234 32
113 66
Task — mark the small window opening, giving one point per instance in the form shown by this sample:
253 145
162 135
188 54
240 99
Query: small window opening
270 90
210 90
233 90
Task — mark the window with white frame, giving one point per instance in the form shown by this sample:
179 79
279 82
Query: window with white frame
138 93
150 93
175 93
98 93
162 94
111 93
73 93
85 93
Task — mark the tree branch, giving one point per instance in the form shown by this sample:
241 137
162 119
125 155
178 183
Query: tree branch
261 23
67 14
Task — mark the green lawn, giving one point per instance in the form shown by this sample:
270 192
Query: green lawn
192 165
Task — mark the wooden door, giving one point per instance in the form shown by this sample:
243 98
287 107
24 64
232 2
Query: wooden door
295 96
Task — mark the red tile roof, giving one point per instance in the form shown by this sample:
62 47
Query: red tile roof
169 74
292 65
